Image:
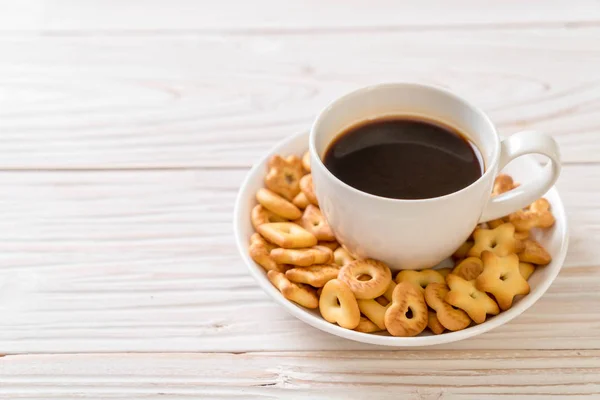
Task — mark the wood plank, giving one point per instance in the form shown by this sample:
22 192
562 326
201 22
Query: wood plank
307 375
215 100
57 16
104 261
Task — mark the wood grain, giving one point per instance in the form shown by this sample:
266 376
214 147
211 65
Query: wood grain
306 375
214 100
103 261
67 16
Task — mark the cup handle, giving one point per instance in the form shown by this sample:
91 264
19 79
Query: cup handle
519 144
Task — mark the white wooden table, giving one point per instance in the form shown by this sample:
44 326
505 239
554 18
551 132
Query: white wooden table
127 127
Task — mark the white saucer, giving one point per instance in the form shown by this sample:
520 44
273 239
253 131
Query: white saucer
525 168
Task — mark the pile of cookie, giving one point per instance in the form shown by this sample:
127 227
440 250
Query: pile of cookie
304 261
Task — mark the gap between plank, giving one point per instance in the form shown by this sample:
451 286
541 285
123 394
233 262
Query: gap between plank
182 168
310 30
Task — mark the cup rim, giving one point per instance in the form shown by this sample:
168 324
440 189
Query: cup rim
402 85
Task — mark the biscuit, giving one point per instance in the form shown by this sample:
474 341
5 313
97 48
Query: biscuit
444 271
302 257
434 324
313 221
338 305
342 257
407 314
526 270
315 275
261 215
296 292
501 278
300 201
380 275
366 326
277 204
463 250
287 235
259 251
463 294
534 253
382 300
306 185
502 184
493 224
389 292
537 215
332 245
451 318
469 268
283 176
500 241
420 278
306 161
373 310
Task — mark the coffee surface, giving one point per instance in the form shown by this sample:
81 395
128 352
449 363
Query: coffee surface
404 158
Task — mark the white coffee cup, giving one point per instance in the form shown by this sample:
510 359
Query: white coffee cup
415 234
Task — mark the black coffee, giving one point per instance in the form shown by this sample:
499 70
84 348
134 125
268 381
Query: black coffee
404 158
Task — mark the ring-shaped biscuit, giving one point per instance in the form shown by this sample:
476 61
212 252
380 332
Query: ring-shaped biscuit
338 305
380 275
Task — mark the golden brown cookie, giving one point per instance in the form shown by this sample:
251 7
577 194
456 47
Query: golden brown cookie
537 215
434 324
306 161
283 176
367 326
300 201
287 235
261 215
534 253
342 257
338 305
502 184
315 275
313 221
501 277
332 245
407 314
500 241
526 270
444 271
420 278
380 275
469 268
302 257
373 310
463 250
389 292
260 250
306 185
296 292
277 204
493 224
464 295
451 318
